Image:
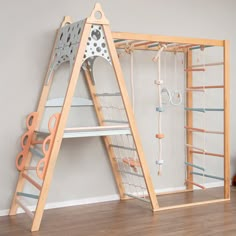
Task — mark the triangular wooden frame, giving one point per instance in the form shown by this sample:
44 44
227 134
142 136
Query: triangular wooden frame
58 130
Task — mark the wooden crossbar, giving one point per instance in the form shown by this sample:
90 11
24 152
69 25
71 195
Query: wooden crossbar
33 182
108 94
37 142
208 64
207 153
37 152
192 129
191 204
194 90
203 109
206 175
27 211
195 166
116 121
194 147
195 69
206 87
196 184
29 195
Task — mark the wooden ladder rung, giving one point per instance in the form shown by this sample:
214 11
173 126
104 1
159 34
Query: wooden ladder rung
196 184
207 153
33 182
27 211
194 69
29 195
206 87
32 168
37 152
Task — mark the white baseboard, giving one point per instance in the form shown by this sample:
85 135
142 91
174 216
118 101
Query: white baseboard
106 198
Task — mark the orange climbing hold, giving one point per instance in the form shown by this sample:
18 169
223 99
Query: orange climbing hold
160 136
131 162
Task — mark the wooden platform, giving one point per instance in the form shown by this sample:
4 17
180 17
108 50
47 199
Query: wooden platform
92 131
133 218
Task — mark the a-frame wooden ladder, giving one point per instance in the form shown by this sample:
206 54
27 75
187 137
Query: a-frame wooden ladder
71 44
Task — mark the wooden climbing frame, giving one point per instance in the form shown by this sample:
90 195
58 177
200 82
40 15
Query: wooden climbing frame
46 144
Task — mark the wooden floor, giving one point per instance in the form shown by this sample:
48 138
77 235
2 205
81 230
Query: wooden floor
133 218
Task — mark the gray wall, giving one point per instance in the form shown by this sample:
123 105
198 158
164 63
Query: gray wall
28 30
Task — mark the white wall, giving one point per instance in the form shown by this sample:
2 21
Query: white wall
28 30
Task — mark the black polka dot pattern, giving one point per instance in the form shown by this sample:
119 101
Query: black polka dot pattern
97 45
68 42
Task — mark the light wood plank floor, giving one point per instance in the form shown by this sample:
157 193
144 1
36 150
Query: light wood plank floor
130 217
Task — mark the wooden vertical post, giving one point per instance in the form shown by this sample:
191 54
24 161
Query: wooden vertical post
60 131
189 118
130 116
226 122
106 139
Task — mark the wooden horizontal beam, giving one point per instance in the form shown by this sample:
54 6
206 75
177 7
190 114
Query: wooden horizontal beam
191 204
167 39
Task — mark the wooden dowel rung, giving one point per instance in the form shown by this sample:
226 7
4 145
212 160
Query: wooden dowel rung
214 132
36 152
196 184
194 90
206 87
31 168
206 175
208 64
194 109
29 195
153 45
203 109
191 129
195 166
108 94
194 147
116 121
125 43
195 69
119 40
194 129
207 153
201 47
27 211
37 142
142 44
33 182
